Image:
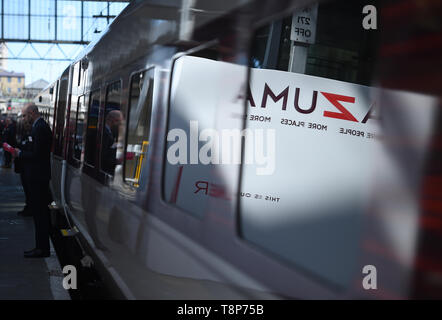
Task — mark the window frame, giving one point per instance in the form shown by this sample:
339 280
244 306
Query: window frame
131 77
212 44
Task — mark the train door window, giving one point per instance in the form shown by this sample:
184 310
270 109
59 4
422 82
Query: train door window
53 110
83 74
306 204
138 125
203 103
77 80
78 133
76 76
113 119
61 113
91 130
71 130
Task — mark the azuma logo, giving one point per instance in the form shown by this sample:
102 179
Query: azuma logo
341 111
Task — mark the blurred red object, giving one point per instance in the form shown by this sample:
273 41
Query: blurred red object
8 148
130 155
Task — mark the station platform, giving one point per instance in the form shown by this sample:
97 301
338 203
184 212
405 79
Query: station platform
23 278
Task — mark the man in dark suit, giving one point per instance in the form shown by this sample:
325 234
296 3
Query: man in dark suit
24 144
37 173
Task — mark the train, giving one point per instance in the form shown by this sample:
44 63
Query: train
247 149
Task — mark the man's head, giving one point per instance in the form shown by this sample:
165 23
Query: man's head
114 119
27 127
30 113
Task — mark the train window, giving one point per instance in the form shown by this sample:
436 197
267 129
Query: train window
138 124
91 130
325 41
82 74
61 113
306 205
71 129
53 92
76 75
78 133
78 80
113 119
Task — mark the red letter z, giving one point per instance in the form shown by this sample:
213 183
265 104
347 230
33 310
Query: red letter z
334 99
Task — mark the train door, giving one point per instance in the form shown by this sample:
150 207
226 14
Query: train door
59 132
201 156
123 162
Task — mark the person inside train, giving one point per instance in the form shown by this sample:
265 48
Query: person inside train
37 173
110 140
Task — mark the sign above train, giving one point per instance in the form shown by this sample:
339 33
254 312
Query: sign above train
304 25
